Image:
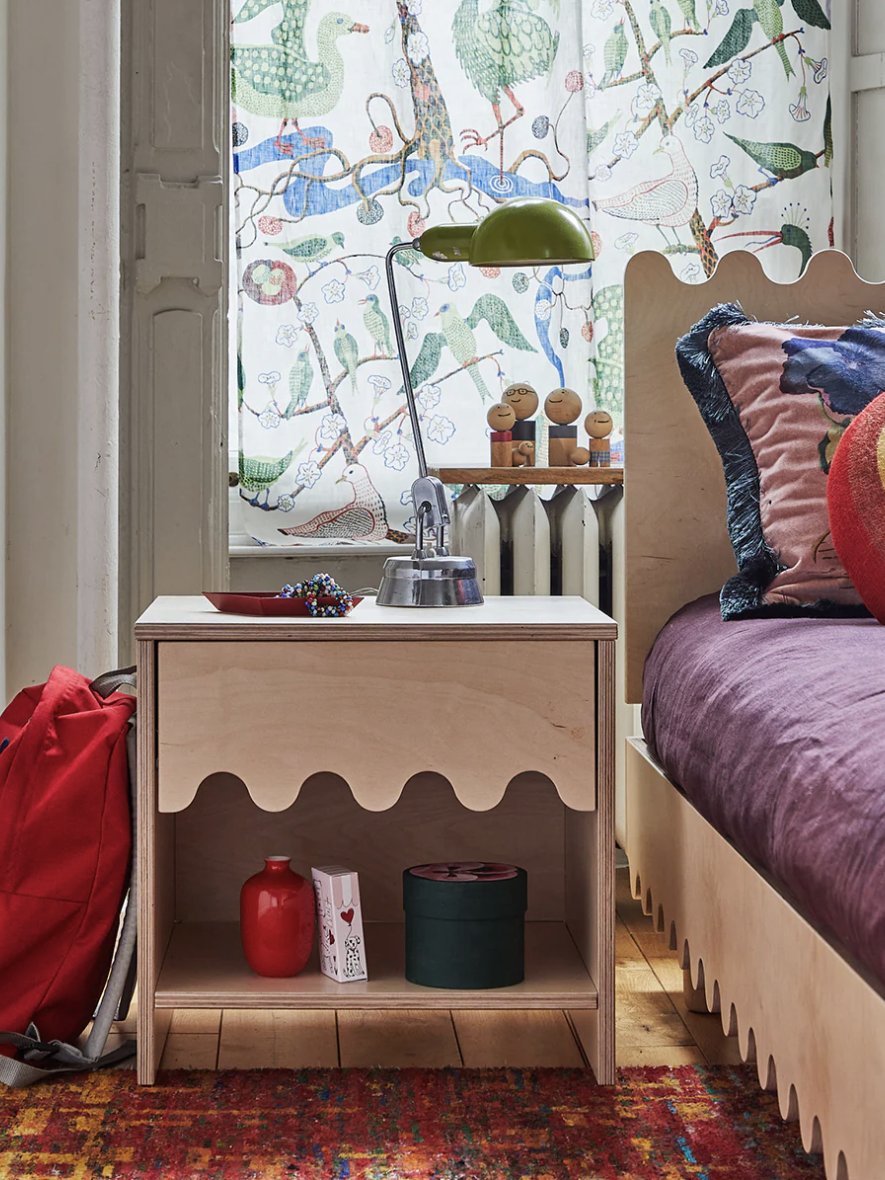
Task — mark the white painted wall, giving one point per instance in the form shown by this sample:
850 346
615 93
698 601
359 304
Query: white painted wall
41 390
867 119
3 312
61 64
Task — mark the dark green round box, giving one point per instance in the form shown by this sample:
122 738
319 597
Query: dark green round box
464 934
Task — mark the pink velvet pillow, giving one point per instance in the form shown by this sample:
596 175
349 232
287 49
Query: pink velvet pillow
777 399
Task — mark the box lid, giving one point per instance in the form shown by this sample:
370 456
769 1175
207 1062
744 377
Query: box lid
465 890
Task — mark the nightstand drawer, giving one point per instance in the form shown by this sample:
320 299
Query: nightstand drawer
478 713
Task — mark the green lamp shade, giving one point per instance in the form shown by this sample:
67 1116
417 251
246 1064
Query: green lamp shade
530 231
447 243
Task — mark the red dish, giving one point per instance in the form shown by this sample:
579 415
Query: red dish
266 603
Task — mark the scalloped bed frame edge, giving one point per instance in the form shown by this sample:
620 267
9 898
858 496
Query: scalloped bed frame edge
813 1022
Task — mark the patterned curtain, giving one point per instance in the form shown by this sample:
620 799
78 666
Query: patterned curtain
692 127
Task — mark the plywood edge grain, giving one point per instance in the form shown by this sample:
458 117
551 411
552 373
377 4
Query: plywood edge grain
155 881
239 627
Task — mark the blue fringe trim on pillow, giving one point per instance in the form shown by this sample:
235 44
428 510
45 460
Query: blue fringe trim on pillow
742 595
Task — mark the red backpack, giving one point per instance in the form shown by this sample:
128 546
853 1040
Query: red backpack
65 849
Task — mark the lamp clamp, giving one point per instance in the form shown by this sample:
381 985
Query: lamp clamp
431 515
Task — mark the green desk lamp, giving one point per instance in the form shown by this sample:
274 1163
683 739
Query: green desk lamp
528 231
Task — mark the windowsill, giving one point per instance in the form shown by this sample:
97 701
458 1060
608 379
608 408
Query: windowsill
243 547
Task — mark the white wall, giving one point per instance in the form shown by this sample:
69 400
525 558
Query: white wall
41 390
61 65
867 81
3 306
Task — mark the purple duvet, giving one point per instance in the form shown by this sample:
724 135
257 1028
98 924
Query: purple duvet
775 730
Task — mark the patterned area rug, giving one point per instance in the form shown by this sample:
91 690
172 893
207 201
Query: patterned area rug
410 1124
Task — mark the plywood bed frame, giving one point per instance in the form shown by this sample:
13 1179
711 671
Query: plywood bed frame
813 1021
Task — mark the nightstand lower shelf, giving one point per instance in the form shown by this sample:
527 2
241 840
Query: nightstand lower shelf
204 967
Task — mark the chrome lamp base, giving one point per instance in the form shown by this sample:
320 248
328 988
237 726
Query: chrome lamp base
429 581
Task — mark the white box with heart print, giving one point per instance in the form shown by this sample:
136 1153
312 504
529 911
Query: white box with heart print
340 923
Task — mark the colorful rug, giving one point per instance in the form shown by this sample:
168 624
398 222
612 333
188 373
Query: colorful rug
410 1124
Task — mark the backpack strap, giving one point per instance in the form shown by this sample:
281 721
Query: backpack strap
57 1057
60 1058
109 682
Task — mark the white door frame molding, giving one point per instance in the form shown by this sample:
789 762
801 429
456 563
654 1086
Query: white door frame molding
841 42
173 360
865 164
98 304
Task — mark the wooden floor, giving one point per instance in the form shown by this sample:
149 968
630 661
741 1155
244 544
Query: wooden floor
653 1025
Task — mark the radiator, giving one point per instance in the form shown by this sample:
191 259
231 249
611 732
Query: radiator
522 544
569 544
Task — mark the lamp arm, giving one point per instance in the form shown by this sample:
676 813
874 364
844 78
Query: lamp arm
403 359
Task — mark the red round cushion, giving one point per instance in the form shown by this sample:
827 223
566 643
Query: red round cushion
856 504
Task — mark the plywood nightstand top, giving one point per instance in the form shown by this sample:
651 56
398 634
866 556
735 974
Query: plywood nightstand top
529 617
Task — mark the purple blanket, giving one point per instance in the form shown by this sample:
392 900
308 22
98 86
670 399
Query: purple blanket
775 730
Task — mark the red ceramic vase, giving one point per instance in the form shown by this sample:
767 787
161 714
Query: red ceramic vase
277 919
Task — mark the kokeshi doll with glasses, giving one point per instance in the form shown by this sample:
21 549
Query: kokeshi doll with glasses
501 418
523 399
599 425
563 407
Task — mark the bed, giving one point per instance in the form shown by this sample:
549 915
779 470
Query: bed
775 899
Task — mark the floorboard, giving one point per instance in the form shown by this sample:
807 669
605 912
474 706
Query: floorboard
705 1029
669 1055
397 1038
196 1020
190 1051
645 1014
279 1038
653 950
516 1038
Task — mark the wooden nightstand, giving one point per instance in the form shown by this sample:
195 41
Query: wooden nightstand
518 691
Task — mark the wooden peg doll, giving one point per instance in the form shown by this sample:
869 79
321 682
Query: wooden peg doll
599 425
501 418
523 454
524 401
563 407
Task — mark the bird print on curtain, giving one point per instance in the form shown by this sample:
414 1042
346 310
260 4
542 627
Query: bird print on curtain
690 127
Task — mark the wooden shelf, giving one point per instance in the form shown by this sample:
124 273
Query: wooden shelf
534 476
205 968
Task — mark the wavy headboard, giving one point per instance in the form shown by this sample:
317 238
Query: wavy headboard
676 544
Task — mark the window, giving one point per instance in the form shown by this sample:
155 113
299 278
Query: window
667 130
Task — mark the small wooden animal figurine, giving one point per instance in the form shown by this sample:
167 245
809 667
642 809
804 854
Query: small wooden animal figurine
599 426
501 418
562 407
524 401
